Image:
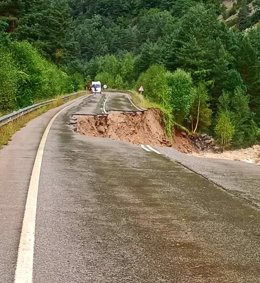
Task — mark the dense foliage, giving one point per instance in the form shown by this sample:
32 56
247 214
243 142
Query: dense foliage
198 59
26 76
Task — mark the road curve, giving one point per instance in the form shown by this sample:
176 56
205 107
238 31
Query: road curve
111 212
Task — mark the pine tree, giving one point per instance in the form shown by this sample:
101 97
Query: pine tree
243 20
46 25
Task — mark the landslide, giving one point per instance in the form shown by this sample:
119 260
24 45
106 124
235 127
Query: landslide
134 127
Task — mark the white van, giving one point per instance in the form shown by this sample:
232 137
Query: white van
96 87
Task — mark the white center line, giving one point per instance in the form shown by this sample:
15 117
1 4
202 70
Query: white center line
104 106
153 149
145 148
24 265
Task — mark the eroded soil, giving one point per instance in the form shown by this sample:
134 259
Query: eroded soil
148 128
134 127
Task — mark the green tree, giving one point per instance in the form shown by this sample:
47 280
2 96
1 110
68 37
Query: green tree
8 81
155 84
150 54
200 113
224 129
237 105
248 65
46 24
243 119
88 40
181 94
106 78
250 68
127 69
243 21
154 24
38 78
193 46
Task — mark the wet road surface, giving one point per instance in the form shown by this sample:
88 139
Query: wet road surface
238 178
16 163
111 212
119 102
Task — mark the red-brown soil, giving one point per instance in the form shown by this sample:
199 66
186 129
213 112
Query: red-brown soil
134 127
147 128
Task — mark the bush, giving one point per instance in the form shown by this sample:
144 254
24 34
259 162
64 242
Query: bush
224 129
39 78
26 77
116 72
242 118
181 94
154 81
75 83
8 81
200 113
107 79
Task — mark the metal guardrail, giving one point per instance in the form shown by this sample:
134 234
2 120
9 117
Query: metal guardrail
16 114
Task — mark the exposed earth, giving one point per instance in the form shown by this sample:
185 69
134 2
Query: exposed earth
147 128
133 127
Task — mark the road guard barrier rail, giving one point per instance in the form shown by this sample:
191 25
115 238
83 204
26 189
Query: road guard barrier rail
21 112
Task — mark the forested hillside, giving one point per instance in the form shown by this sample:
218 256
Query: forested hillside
200 60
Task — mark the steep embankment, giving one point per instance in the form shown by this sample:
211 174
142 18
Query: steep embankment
148 128
135 127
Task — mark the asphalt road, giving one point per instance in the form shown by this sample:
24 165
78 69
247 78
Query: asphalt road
110 211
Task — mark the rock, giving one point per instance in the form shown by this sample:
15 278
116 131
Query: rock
198 145
184 134
211 141
217 149
101 129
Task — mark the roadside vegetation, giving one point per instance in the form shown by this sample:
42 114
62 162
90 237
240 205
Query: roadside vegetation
27 77
198 61
7 131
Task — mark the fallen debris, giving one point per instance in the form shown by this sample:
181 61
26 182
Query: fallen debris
135 127
147 128
204 142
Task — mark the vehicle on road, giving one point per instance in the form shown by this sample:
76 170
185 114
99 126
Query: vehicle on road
96 87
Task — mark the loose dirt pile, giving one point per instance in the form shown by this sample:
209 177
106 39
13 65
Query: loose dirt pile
134 127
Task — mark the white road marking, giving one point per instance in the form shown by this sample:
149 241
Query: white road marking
24 265
149 148
104 106
138 108
145 148
153 149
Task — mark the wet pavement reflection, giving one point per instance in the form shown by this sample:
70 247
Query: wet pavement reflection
112 212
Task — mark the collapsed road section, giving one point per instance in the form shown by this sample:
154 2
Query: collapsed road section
133 127
139 127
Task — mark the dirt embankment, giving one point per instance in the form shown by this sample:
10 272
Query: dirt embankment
147 128
134 127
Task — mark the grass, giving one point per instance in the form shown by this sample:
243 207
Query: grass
142 102
8 130
168 118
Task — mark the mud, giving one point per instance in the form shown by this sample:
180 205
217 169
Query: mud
134 127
